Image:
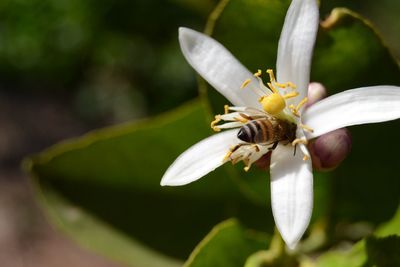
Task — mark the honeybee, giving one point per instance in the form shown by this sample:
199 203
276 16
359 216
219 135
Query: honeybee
269 130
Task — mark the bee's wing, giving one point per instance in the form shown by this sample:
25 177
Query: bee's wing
259 114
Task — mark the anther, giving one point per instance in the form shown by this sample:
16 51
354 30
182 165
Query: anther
273 89
214 122
226 109
271 75
290 95
299 141
307 128
245 83
258 73
293 110
281 85
227 156
291 85
302 102
241 119
305 157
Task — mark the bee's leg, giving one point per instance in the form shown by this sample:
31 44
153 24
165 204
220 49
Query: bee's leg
302 142
273 146
230 152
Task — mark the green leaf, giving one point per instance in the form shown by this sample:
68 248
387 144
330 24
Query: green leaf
114 174
383 252
98 236
382 249
349 53
228 244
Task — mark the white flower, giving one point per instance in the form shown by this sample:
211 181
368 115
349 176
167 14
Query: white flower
291 173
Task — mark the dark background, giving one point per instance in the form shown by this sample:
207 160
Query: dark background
69 66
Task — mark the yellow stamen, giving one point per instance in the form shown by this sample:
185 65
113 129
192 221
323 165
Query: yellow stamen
214 122
227 156
302 102
291 85
271 75
273 89
293 110
305 157
245 83
281 85
299 141
226 109
241 119
258 73
290 95
306 128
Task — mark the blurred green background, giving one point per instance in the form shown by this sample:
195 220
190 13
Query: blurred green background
69 66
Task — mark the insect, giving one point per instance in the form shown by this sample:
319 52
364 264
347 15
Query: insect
269 130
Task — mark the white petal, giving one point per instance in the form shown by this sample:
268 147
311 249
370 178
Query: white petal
200 159
296 45
353 107
219 68
291 193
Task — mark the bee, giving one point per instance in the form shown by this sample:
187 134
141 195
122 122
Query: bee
269 130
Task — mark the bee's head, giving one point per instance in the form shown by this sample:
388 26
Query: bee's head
291 133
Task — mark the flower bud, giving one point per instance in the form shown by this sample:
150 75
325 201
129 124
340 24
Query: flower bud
330 149
316 92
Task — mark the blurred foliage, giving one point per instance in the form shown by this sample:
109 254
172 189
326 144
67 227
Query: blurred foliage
383 14
121 60
115 174
82 47
381 249
230 239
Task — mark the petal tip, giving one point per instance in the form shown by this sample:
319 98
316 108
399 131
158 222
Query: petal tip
182 30
186 32
164 181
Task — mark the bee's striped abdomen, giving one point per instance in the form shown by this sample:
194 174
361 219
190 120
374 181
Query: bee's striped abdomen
257 132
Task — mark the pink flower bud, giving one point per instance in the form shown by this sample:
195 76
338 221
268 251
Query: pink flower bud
316 92
330 149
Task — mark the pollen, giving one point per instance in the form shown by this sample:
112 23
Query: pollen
214 122
227 156
245 83
258 73
299 141
306 128
295 110
226 109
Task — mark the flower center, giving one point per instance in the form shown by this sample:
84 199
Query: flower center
262 129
